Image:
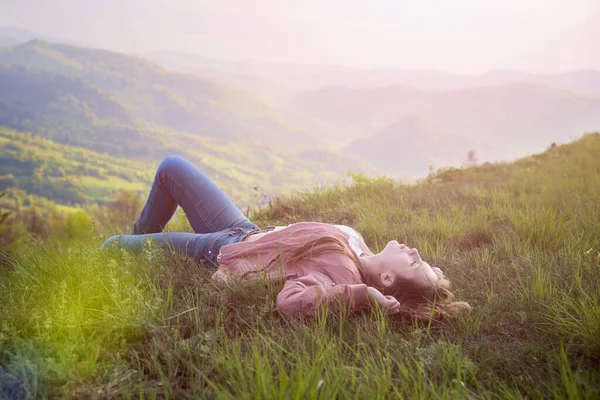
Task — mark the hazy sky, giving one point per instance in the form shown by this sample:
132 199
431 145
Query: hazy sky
449 35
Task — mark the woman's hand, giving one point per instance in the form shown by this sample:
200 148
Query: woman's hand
389 304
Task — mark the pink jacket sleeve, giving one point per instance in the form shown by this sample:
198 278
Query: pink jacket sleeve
303 296
220 275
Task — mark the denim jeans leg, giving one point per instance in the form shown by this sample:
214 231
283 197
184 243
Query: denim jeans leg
179 183
204 248
183 243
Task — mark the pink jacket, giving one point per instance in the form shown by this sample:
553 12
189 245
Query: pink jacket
309 283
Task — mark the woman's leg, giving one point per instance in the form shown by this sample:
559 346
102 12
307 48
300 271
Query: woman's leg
215 219
179 183
202 247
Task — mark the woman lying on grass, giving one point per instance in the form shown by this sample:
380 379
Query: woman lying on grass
319 263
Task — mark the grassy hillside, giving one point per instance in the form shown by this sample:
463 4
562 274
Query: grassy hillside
520 241
30 165
66 174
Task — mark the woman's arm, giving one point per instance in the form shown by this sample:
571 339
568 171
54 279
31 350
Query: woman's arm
302 297
389 304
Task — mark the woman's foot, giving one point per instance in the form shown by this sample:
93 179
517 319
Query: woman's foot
112 241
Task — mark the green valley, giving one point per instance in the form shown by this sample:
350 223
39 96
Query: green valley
73 175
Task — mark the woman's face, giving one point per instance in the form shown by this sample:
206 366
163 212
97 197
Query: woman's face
399 262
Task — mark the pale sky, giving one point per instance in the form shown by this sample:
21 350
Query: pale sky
468 36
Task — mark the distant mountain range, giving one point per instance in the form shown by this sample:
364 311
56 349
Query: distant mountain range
503 114
7 41
512 120
414 143
322 120
314 77
113 103
149 98
12 35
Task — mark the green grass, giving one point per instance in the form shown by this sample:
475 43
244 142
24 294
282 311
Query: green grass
520 241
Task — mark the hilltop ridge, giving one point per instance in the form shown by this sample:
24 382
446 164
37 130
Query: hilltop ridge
158 99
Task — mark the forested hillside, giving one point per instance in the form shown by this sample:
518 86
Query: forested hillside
66 174
158 103
77 175
67 110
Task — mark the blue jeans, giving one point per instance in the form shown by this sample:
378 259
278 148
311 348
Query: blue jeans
216 221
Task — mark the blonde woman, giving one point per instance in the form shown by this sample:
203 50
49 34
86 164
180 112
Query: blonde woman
317 263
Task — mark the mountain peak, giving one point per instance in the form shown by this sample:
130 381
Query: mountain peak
33 43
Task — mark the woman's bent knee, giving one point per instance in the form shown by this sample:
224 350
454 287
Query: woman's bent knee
171 163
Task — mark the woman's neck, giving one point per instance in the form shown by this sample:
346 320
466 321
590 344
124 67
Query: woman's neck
365 263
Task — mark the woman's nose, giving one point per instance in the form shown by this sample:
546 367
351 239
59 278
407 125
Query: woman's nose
415 252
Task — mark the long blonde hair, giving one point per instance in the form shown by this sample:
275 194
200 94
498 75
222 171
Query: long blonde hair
433 302
325 244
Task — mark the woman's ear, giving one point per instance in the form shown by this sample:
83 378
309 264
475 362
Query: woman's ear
387 280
